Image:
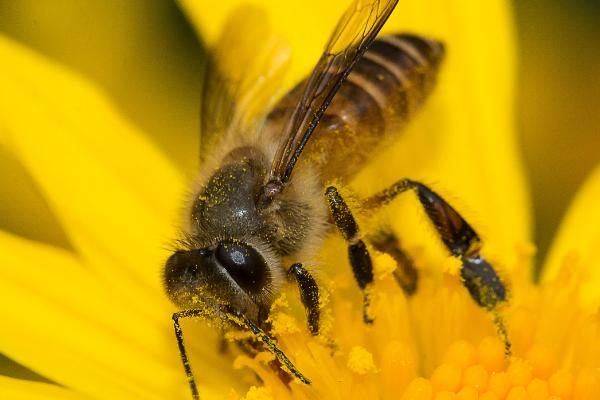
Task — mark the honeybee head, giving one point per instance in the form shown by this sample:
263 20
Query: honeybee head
231 273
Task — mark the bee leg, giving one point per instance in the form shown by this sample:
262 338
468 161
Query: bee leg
360 260
309 294
458 236
479 277
182 351
406 274
269 343
242 321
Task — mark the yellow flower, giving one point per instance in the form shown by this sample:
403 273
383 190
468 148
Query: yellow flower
93 319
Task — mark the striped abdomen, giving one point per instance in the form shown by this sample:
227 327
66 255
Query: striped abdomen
387 85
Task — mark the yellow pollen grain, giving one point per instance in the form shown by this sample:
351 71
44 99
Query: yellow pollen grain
499 384
284 324
467 393
418 389
543 362
280 302
519 372
361 361
476 376
490 354
384 265
461 353
537 389
561 384
446 377
258 393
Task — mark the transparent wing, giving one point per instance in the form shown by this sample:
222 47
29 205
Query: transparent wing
354 33
241 78
217 106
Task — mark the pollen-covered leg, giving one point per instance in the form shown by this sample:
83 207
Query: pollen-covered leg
480 279
309 294
406 274
360 260
269 343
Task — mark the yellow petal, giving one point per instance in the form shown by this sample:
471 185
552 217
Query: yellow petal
463 143
578 241
62 323
57 321
115 194
62 279
140 52
18 389
23 208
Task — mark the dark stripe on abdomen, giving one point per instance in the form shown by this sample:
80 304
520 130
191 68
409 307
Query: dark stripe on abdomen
385 88
414 62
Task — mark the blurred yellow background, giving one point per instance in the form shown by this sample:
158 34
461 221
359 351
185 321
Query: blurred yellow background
558 103
147 58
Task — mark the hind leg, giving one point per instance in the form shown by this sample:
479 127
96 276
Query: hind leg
478 276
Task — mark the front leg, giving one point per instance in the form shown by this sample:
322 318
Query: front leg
309 294
360 260
241 321
268 342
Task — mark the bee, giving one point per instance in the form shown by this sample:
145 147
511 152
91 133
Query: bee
263 205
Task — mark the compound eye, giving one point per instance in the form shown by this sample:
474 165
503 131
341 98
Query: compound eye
245 265
183 273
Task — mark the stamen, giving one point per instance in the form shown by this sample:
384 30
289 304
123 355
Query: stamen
382 360
361 361
461 353
519 372
419 388
499 384
490 354
543 362
538 389
476 376
446 377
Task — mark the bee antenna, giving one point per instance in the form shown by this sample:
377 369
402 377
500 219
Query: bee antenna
269 191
